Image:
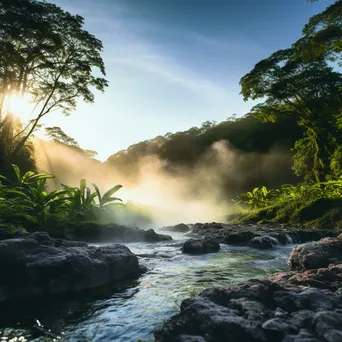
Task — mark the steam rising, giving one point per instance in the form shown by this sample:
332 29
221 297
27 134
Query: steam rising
185 195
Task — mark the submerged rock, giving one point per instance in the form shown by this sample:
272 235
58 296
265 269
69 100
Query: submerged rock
194 246
260 311
316 255
38 265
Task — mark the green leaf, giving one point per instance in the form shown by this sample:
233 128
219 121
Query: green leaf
264 191
97 190
27 217
40 176
18 192
17 172
110 192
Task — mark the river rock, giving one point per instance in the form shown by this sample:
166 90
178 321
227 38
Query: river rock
203 246
178 228
262 242
258 311
317 255
39 265
323 278
151 236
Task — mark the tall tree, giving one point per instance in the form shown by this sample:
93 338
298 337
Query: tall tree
46 53
309 91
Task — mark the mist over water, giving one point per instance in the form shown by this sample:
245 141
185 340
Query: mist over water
200 194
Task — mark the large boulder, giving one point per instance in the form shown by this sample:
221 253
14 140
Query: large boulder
316 255
203 246
39 265
257 311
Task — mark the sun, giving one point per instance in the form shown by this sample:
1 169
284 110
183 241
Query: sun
21 107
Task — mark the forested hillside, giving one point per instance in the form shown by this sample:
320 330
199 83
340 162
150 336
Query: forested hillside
260 152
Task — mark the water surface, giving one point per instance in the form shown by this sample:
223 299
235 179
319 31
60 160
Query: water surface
132 310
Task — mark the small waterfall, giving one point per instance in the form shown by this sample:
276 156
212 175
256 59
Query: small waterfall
273 240
289 239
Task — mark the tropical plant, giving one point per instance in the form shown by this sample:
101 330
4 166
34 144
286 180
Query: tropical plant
26 179
80 199
26 197
26 200
303 193
37 202
107 198
82 202
257 198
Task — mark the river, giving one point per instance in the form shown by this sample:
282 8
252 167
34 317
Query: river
132 310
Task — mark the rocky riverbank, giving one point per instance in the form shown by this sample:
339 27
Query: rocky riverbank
95 232
255 236
288 307
37 265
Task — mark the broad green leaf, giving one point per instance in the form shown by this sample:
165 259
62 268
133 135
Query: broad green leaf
110 192
17 172
97 190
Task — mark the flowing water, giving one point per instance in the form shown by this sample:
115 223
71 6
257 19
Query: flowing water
130 311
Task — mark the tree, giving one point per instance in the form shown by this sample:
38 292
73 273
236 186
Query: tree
309 91
47 54
322 35
58 135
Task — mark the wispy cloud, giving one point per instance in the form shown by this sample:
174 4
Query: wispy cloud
133 42
234 42
150 59
127 41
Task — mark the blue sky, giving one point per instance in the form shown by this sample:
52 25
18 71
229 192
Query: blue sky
173 64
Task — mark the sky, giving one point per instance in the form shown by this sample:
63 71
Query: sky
173 64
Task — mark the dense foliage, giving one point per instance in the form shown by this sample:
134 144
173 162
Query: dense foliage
26 202
318 205
304 82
